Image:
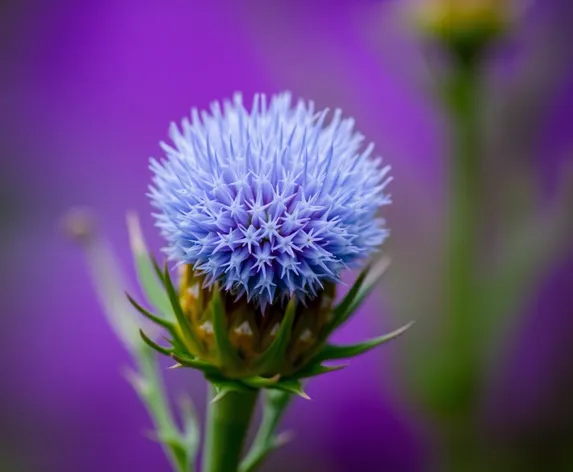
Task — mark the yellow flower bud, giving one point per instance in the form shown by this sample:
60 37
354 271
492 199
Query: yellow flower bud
463 22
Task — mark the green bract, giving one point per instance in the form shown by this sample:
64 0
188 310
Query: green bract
233 343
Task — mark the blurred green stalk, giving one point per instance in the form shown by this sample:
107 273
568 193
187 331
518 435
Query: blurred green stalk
465 215
178 442
460 379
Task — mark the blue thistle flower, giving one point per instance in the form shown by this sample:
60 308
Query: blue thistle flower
271 203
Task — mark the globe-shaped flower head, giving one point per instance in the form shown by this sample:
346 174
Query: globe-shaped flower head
271 203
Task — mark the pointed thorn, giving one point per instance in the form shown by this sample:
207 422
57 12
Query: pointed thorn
377 270
219 395
404 328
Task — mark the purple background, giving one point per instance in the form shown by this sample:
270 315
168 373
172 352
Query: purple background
88 89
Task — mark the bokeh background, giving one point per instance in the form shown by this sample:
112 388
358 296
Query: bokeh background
88 88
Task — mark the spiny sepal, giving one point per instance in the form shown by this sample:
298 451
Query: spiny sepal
237 346
151 285
189 336
225 351
316 368
153 345
333 352
292 386
150 316
362 286
195 363
272 359
224 386
261 382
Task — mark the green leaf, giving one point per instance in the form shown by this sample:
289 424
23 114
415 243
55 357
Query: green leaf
223 386
190 425
342 312
225 351
154 345
179 450
342 308
261 382
151 284
194 363
374 275
363 285
275 403
331 352
314 369
177 342
188 334
149 315
291 386
271 360
107 276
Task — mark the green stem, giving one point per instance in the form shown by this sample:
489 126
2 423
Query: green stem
148 383
179 445
465 217
228 420
276 403
460 449
457 373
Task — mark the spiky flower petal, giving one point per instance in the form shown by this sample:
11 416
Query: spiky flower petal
271 203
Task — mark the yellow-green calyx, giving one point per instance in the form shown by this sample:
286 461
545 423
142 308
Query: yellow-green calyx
235 344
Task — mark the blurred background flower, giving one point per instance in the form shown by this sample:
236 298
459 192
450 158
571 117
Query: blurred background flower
89 89
451 19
